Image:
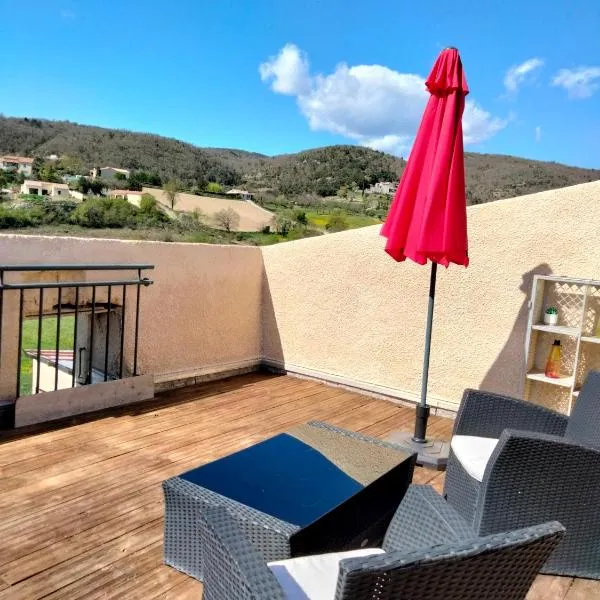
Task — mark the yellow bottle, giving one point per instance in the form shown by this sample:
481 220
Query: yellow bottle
553 362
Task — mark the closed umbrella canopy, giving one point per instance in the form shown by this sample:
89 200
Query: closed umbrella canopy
428 219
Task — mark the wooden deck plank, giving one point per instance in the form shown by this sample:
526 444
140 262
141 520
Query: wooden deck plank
185 590
82 504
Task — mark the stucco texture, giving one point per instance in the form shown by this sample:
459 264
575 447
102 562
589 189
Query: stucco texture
337 305
201 315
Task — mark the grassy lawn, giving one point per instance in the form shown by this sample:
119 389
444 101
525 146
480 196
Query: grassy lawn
30 340
354 221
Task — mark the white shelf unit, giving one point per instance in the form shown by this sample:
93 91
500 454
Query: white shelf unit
578 329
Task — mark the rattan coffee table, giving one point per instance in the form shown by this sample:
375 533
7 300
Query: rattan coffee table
316 488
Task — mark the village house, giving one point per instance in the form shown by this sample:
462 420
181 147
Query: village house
45 188
242 194
131 197
108 172
20 164
382 187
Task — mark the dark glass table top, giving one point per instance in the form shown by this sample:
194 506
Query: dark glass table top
297 476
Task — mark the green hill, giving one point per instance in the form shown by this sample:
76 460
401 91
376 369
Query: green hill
320 171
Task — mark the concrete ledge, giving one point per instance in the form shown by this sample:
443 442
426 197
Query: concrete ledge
179 379
50 406
439 406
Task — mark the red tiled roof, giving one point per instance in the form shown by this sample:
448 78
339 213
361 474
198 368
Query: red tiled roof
17 159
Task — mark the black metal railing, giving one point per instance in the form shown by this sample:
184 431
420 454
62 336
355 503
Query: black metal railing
87 341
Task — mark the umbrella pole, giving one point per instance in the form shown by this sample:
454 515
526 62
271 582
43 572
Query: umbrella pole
422 407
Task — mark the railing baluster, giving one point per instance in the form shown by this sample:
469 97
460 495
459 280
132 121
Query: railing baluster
122 331
39 341
107 335
20 343
137 325
91 352
57 349
75 336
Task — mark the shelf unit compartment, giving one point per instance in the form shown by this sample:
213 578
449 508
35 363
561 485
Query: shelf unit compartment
578 305
591 319
554 397
589 360
567 296
540 350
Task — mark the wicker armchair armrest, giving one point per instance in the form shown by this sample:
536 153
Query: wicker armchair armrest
486 414
357 436
535 477
424 519
232 567
503 565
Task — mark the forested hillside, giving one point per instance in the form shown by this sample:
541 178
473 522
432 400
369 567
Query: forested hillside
322 171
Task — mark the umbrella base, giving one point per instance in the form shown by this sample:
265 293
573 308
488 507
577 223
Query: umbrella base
431 453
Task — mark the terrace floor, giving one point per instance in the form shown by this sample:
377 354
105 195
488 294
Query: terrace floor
81 506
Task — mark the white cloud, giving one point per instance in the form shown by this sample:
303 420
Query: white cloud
538 134
479 125
371 104
67 14
580 82
287 72
519 74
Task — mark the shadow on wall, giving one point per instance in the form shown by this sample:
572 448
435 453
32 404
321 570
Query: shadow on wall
505 376
271 348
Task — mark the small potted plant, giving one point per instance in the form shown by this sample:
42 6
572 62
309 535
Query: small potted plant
551 316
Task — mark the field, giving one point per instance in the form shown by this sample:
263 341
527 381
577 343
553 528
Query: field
30 340
354 221
252 217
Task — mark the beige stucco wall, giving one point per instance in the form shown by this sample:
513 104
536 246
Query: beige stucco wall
202 315
337 305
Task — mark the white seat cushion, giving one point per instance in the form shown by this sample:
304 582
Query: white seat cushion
473 453
313 577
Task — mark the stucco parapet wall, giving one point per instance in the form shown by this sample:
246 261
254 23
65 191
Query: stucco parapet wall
339 304
203 308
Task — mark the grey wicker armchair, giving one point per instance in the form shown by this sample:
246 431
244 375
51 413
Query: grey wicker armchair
513 464
430 553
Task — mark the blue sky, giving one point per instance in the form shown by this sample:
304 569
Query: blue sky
279 76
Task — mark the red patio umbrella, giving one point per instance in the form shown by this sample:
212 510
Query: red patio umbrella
427 220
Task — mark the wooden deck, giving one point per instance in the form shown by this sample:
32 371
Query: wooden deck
82 505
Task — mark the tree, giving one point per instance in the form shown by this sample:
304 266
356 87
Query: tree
120 176
337 222
227 219
87 186
214 187
47 172
300 217
343 192
148 203
198 215
71 165
282 224
171 190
